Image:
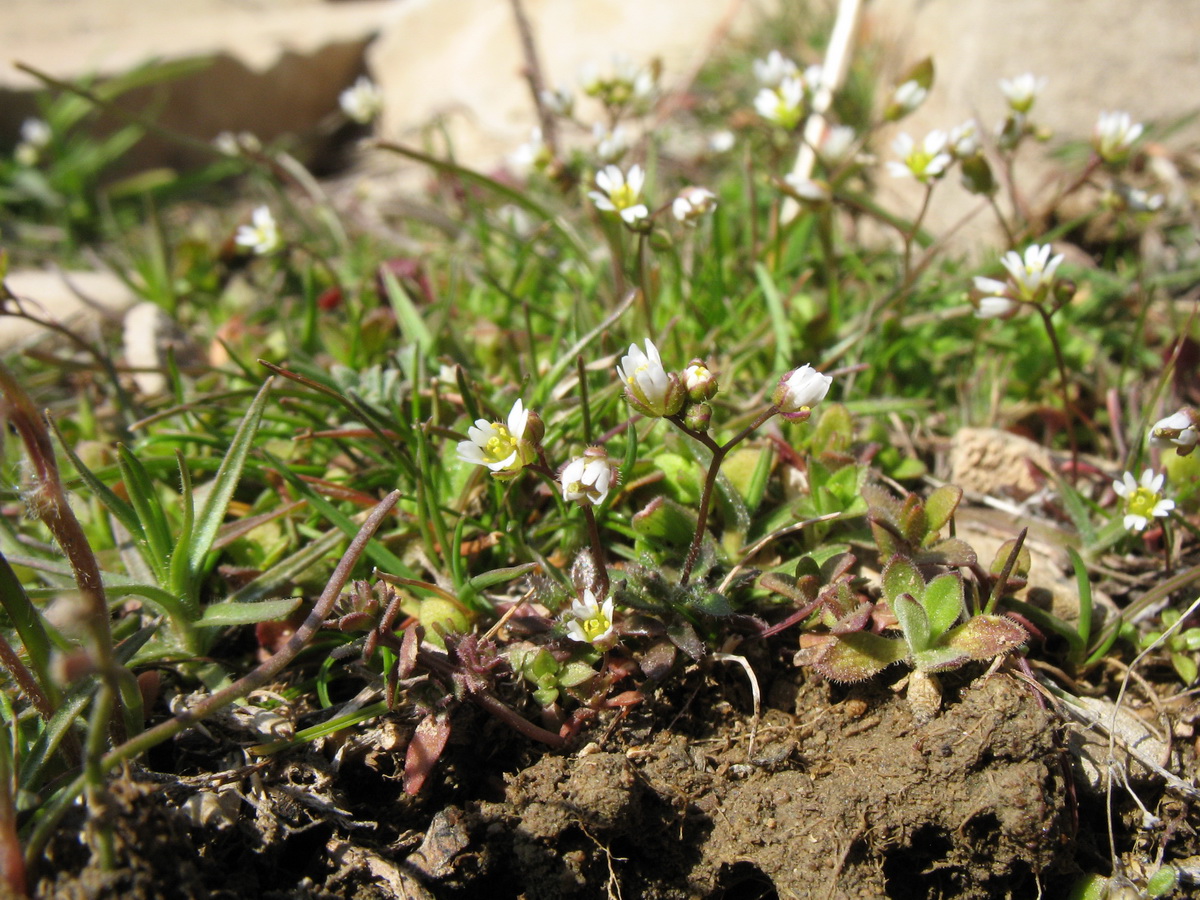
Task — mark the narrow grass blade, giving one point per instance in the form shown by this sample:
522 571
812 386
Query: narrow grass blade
213 513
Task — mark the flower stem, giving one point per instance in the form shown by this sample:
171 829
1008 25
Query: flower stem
1066 388
597 553
719 452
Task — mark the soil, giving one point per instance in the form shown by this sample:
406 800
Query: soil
831 792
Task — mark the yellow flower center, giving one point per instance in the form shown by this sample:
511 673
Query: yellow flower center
500 445
623 197
1142 502
594 626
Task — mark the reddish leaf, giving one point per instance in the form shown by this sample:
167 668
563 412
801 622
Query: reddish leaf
424 750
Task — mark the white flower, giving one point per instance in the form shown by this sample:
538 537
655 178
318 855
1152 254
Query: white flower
362 102
262 235
559 101
837 144
503 448
807 188
36 133
648 387
771 71
590 623
1177 430
586 479
721 141
620 193
624 86
922 163
692 204
908 97
236 144
783 105
610 145
1033 275
35 137
964 139
992 300
799 390
1020 92
1143 501
1114 135
533 154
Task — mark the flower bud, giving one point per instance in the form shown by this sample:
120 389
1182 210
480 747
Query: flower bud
1178 430
697 416
699 381
799 390
977 175
535 430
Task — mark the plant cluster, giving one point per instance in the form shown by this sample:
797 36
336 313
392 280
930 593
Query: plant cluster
543 467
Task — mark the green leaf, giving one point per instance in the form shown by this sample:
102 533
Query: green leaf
119 508
913 622
900 576
853 657
223 615
780 320
914 524
407 316
985 637
710 603
940 659
940 506
950 552
664 520
228 475
943 602
143 495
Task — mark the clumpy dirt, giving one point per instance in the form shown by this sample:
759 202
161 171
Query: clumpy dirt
831 793
848 800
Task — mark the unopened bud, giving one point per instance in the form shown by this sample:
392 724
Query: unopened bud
699 381
697 416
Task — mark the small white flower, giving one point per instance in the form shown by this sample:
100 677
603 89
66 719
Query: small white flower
500 447
1033 275
558 101
808 189
964 139
1114 135
1139 201
610 145
648 387
590 622
837 144
693 204
627 84
907 97
262 235
926 162
621 193
1177 430
362 102
236 144
533 154
992 300
1143 500
1022 91
586 479
783 105
771 71
721 141
36 133
799 390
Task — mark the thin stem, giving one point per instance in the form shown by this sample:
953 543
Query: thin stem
597 553
1066 384
719 452
49 500
533 74
911 234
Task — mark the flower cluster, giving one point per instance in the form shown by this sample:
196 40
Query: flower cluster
1030 280
626 85
1144 500
786 91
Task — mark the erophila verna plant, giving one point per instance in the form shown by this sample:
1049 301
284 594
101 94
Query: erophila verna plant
548 464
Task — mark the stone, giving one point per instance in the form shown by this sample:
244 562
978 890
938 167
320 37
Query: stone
272 67
76 300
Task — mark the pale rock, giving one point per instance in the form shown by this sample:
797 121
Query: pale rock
75 300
